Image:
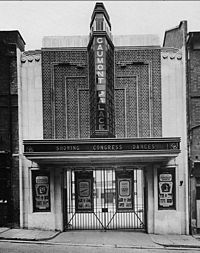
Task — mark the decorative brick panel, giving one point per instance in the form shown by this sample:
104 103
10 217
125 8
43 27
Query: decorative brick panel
47 94
84 114
139 73
137 93
120 128
73 85
144 101
64 73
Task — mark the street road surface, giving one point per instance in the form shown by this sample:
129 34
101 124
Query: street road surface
19 247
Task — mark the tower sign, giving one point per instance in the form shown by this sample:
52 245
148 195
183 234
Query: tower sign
100 69
101 75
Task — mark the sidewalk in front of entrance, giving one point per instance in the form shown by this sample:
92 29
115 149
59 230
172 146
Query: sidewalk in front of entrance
116 239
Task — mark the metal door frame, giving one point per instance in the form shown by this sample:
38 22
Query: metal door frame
103 220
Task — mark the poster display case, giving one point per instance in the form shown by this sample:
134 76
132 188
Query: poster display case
41 191
84 191
166 188
124 186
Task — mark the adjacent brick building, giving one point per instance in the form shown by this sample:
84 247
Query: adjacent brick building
11 46
193 92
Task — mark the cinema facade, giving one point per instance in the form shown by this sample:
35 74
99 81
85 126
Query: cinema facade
103 133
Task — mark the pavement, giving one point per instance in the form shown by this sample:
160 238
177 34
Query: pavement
116 239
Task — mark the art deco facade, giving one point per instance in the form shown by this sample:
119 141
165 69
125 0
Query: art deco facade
102 122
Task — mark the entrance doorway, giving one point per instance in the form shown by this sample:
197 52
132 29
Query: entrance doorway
104 199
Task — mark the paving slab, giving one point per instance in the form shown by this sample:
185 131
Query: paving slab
27 234
176 240
108 238
102 238
3 229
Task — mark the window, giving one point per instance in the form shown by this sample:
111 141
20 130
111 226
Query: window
99 24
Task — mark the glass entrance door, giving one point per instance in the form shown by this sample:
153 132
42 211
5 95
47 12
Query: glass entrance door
104 198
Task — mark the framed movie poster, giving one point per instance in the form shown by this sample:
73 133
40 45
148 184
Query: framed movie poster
124 186
84 191
41 191
166 188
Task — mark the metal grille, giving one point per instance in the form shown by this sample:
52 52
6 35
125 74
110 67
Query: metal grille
104 211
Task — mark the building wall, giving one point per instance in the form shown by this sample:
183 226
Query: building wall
66 109
176 37
65 94
147 85
5 191
31 91
194 127
138 92
174 124
10 43
194 91
174 114
31 123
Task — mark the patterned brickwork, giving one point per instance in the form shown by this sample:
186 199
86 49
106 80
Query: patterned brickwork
93 97
47 59
120 109
156 109
194 68
74 107
84 112
144 102
137 94
130 85
138 72
64 73
59 101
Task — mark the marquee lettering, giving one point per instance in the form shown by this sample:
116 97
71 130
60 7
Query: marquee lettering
103 146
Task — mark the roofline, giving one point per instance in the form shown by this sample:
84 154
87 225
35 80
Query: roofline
8 31
104 11
190 35
176 27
